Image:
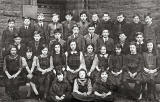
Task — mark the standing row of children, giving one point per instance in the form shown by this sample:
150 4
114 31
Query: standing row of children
96 61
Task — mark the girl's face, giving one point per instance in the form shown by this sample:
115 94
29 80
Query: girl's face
95 17
60 77
150 46
103 50
68 17
118 50
29 54
57 48
13 51
11 24
132 48
122 37
73 45
106 17
75 30
105 33
27 22
104 75
90 49
45 51
148 19
82 74
83 17
136 19
55 18
57 35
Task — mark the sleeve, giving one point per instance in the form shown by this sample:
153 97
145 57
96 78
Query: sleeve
68 89
82 44
3 39
94 64
96 86
20 63
4 64
82 61
158 63
52 91
75 86
89 87
24 63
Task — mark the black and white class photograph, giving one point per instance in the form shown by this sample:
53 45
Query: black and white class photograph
79 50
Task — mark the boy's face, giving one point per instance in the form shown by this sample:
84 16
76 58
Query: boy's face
75 30
150 46
122 37
106 17
105 33
120 18
37 37
132 48
27 22
60 77
68 17
57 48
55 18
89 49
17 40
40 18
73 45
83 17
82 74
103 50
139 38
45 51
136 19
13 51
118 50
104 75
95 17
148 19
91 30
57 35
29 54
11 24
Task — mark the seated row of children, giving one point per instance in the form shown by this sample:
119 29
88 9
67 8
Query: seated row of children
53 74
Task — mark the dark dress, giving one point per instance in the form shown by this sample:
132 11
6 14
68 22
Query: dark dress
116 64
43 84
59 89
12 65
103 87
82 86
29 63
151 62
89 60
73 61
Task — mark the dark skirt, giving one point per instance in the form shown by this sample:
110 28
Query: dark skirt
83 98
147 77
137 78
71 76
109 98
115 80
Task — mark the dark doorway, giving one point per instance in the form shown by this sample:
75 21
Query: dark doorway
48 7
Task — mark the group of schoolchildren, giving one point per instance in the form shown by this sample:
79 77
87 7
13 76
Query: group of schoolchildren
83 61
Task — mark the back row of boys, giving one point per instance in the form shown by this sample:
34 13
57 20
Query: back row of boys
98 32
